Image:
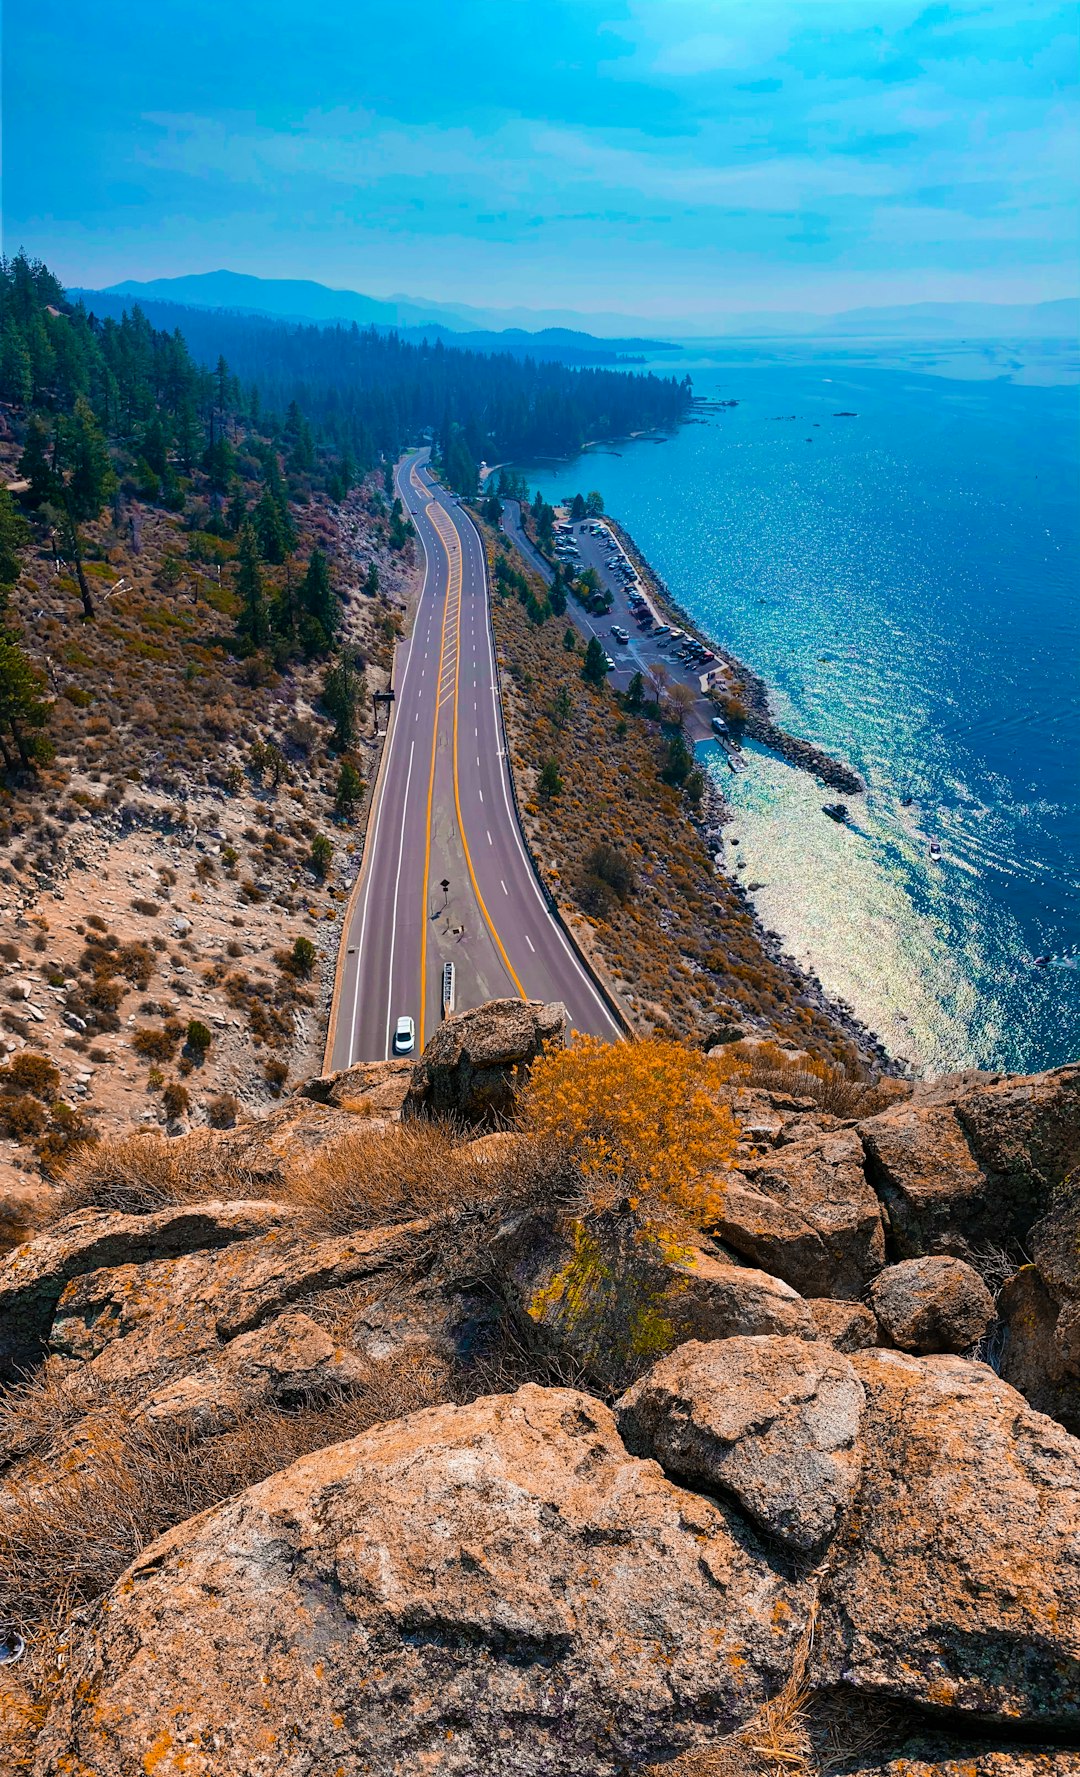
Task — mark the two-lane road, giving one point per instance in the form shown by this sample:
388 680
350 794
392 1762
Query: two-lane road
444 813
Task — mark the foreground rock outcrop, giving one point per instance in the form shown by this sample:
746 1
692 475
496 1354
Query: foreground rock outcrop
807 1480
497 1588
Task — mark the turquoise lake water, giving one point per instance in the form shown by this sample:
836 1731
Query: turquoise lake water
908 582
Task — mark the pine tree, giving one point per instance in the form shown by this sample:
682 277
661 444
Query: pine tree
350 789
253 622
35 464
272 528
317 596
340 695
21 703
14 535
91 480
594 668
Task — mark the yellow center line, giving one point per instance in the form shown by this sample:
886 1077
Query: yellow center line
438 520
432 508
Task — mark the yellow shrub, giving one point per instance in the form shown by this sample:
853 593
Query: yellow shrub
641 1121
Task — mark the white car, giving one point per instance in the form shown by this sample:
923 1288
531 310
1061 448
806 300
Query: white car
404 1036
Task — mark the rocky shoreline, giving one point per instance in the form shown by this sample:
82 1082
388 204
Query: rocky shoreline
758 723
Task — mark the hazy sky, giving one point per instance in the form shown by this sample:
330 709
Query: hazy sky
668 158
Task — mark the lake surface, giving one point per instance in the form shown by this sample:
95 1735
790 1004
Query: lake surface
906 580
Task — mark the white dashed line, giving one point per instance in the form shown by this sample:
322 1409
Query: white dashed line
505 890
487 830
530 943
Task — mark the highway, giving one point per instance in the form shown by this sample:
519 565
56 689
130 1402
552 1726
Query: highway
443 812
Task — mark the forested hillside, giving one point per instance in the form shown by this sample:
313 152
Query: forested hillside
199 599
370 392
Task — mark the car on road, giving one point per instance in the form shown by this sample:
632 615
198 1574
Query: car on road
619 633
404 1036
609 663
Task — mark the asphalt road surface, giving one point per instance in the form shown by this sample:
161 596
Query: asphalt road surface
444 813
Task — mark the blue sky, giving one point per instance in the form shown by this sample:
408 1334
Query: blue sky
661 158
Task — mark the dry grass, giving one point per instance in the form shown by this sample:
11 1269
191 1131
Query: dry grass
427 1170
834 1090
135 1174
775 1742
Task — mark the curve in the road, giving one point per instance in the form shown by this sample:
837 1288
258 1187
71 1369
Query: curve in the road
448 815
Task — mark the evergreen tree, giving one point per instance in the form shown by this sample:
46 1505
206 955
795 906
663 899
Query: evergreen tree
253 621
317 595
16 372
273 529
577 510
91 479
14 535
22 705
350 789
341 692
35 464
371 580
594 667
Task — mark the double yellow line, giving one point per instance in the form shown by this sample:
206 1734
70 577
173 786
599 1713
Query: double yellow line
442 525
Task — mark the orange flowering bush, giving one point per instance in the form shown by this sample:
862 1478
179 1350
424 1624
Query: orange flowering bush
640 1120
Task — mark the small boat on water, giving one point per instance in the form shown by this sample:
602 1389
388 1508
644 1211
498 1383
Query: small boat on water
935 849
734 762
836 811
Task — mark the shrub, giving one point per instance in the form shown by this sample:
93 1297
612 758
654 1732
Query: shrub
22 1117
149 909
276 1073
198 1038
641 1121
154 1045
31 1072
605 862
222 1112
300 960
176 1099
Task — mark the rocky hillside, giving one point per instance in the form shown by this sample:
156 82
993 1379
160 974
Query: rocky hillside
537 1412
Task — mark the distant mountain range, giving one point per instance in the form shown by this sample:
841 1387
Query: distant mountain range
297 299
582 338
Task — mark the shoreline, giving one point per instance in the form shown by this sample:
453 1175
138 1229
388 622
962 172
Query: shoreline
715 812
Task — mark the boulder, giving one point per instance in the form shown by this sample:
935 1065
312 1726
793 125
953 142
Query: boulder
613 1294
932 1304
822 1182
846 1325
936 1195
494 1588
133 1321
955 1584
370 1088
289 1361
771 1233
33 1277
471 1068
772 1423
974 1161
1024 1131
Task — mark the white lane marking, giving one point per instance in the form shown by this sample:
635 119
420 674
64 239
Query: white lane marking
368 858
505 890
487 830
530 943
481 792
504 774
397 888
